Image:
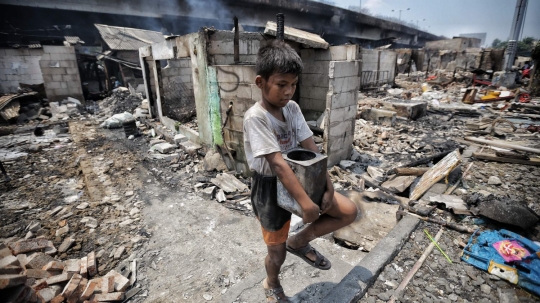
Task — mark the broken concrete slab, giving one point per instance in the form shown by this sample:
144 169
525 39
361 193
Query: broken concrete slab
376 173
179 138
455 203
189 147
164 148
399 183
213 161
229 183
409 110
374 221
384 117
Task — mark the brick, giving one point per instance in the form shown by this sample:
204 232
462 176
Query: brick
71 286
92 266
38 260
50 249
37 273
47 294
54 267
120 282
72 266
114 296
84 267
9 260
63 277
23 260
74 298
104 284
66 244
11 280
42 283
339 69
58 299
28 245
89 290
10 270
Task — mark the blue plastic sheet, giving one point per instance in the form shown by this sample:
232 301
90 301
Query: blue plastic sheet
481 253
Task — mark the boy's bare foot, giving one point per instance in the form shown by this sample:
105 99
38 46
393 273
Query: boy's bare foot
293 244
274 294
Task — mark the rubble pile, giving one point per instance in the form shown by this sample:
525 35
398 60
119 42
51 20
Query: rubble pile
121 100
28 273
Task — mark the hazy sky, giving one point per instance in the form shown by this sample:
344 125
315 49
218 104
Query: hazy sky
453 17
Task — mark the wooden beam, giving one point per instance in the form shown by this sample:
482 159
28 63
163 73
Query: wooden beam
503 145
491 157
411 171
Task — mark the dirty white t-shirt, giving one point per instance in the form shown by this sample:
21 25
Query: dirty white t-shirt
264 134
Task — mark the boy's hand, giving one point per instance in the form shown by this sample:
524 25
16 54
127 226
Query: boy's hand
310 213
327 201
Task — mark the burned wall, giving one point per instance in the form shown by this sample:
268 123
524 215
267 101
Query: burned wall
19 66
378 67
178 100
221 47
61 73
237 87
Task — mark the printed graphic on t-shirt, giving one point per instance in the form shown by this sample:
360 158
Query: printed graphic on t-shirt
285 139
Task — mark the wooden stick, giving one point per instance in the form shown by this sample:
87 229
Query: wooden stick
492 157
451 189
415 268
453 226
503 145
411 171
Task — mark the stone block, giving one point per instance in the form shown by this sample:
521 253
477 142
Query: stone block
54 267
62 231
190 147
7 281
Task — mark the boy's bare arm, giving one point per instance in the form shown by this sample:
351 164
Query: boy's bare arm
329 193
290 182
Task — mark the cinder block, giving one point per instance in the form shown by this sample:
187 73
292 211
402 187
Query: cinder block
72 71
341 85
185 62
34 70
47 78
46 56
63 84
68 63
341 69
57 78
316 67
57 57
316 80
53 85
313 104
233 91
57 70
339 128
319 93
75 90
220 47
68 78
35 52
334 101
343 114
61 91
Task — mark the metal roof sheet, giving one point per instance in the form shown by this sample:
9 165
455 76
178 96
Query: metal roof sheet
73 40
125 38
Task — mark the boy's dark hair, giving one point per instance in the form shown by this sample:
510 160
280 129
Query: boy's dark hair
278 57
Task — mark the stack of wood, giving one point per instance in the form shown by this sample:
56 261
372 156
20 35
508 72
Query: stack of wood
27 274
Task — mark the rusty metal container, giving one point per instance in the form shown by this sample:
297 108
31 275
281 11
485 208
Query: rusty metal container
310 169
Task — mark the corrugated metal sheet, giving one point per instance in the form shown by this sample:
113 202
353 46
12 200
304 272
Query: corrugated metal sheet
11 111
4 100
125 38
73 40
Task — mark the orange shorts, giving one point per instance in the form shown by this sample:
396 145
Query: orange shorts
280 236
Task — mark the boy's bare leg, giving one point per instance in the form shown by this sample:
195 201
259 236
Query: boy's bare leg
342 213
273 262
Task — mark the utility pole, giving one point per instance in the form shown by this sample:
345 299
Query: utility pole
517 24
400 10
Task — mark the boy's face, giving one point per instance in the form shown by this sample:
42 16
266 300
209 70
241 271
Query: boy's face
278 89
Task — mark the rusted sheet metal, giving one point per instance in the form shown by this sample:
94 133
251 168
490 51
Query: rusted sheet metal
436 173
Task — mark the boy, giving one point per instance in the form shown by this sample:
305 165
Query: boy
272 125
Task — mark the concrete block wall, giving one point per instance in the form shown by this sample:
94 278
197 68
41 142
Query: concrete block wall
330 81
19 66
61 73
472 57
221 47
378 67
237 85
342 102
178 100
